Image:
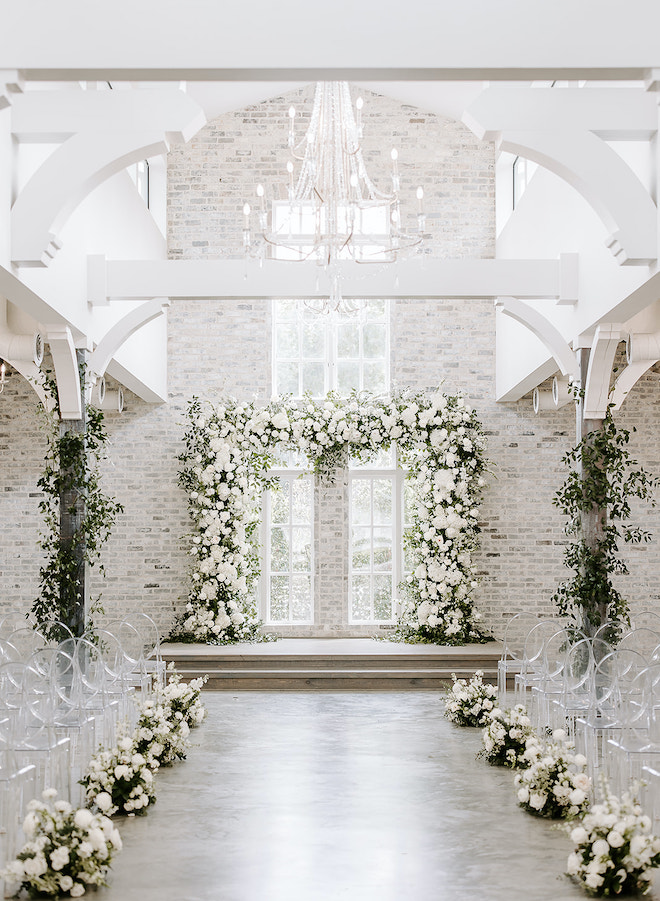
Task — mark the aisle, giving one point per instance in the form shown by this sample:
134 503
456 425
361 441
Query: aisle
328 796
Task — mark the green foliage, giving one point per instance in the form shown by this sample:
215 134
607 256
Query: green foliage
71 477
603 482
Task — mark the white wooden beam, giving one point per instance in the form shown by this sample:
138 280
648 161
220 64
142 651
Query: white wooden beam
612 113
544 330
416 278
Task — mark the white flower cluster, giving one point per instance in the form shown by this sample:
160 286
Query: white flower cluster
506 737
67 850
230 448
469 703
614 848
121 780
555 783
182 700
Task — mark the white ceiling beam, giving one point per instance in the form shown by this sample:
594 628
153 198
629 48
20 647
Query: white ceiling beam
612 113
409 278
481 39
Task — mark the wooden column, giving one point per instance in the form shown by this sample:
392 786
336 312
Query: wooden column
72 513
592 520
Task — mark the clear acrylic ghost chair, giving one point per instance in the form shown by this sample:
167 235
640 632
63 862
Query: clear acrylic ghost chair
510 663
531 671
54 631
613 682
550 684
17 788
120 667
70 717
577 689
15 620
154 663
650 795
646 619
29 734
642 640
8 652
638 742
26 641
92 692
611 631
135 664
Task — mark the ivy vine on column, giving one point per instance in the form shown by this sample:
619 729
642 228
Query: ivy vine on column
71 485
596 497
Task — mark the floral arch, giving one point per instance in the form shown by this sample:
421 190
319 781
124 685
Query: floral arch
229 450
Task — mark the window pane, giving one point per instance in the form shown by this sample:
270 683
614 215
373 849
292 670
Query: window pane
374 377
360 598
314 379
286 309
286 337
279 550
301 599
382 587
301 490
374 309
374 340
279 502
348 340
383 550
287 378
361 501
301 550
313 335
361 548
279 598
348 377
382 500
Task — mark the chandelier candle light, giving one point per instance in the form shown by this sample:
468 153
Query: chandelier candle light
333 211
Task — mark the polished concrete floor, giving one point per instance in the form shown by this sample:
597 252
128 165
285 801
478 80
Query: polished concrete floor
363 796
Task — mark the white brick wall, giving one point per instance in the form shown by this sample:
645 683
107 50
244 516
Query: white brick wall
217 347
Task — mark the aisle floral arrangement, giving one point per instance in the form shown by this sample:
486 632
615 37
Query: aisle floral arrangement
229 450
614 849
470 703
508 738
555 784
66 852
120 780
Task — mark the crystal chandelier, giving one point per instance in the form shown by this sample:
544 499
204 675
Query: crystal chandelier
333 211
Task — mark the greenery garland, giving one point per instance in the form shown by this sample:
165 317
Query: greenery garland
605 483
71 471
229 450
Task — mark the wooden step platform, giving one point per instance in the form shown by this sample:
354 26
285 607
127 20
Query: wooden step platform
334 664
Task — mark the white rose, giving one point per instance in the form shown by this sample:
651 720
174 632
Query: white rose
579 835
83 818
77 889
66 882
103 801
600 848
615 839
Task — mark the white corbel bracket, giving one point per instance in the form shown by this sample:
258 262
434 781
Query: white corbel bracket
544 330
117 335
599 372
11 83
67 376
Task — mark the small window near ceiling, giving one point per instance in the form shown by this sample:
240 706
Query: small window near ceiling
139 172
314 353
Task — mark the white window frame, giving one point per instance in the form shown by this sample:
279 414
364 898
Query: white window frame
291 475
398 476
331 349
